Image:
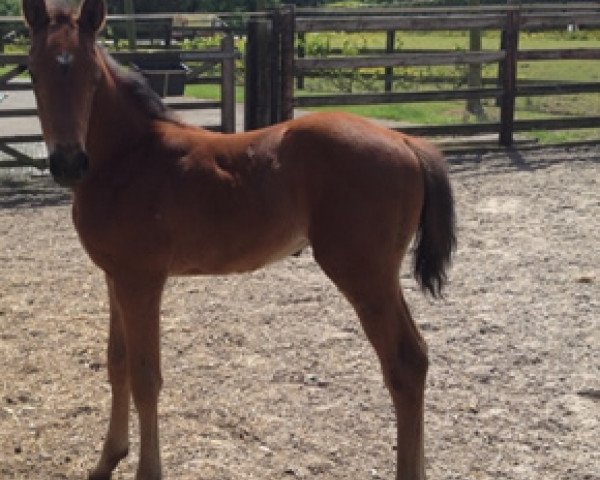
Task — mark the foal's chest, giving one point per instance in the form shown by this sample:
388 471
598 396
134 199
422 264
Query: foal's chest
118 231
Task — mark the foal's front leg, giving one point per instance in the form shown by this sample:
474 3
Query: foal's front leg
138 296
116 444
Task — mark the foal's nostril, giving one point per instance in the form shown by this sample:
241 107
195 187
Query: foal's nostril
57 162
68 164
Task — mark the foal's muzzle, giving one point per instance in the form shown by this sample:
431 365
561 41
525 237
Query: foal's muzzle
68 164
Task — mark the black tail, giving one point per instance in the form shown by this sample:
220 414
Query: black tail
436 237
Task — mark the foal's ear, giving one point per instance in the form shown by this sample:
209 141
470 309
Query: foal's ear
36 14
92 15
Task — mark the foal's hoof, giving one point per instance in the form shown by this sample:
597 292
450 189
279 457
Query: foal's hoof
104 470
149 476
95 475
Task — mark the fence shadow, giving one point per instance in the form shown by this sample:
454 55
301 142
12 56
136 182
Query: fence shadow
24 191
514 160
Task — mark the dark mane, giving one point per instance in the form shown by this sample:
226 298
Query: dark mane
139 89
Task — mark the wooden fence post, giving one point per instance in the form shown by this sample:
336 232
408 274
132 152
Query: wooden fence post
257 105
169 33
275 58
282 70
509 77
390 46
228 84
130 25
474 79
288 20
301 54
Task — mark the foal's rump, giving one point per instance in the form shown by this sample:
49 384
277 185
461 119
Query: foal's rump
351 164
370 190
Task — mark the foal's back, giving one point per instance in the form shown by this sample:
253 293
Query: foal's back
236 202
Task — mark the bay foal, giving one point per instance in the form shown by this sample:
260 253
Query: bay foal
154 197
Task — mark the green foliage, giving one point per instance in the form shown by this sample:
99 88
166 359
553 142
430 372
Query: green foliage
152 6
443 3
201 43
13 7
10 7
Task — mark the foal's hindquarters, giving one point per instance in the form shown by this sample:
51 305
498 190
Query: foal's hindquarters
360 229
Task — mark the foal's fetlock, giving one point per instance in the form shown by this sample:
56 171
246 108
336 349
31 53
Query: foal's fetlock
149 476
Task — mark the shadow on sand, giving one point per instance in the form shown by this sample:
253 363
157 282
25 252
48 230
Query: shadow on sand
513 160
26 191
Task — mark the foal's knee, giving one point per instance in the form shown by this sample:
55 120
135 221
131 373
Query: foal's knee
407 370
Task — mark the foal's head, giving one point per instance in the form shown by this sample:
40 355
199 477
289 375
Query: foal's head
65 70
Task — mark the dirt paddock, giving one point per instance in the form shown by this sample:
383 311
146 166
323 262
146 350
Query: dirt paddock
268 375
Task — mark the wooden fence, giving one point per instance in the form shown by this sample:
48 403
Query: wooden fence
215 65
276 64
283 67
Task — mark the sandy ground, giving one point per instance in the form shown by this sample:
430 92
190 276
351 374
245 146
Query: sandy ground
268 375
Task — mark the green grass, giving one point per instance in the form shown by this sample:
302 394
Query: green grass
565 136
441 113
212 92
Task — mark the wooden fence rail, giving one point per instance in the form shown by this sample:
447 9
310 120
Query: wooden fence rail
510 21
584 6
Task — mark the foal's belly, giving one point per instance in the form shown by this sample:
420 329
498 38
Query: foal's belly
236 255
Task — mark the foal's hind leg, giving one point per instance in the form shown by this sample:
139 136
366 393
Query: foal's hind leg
404 362
372 287
403 356
116 444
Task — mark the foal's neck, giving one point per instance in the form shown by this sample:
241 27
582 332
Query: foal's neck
117 124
